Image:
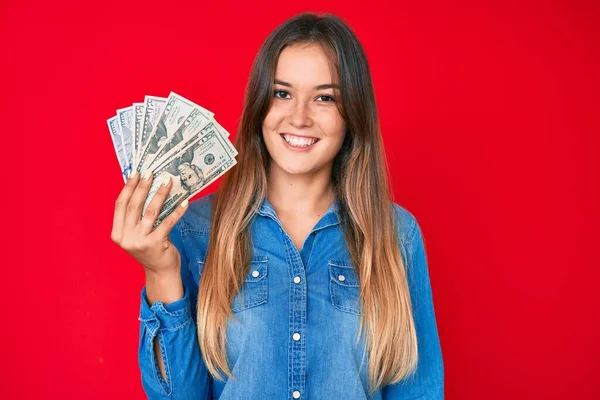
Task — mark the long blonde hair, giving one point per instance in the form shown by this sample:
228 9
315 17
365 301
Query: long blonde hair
360 181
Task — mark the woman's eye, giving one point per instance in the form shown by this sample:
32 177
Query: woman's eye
326 97
281 94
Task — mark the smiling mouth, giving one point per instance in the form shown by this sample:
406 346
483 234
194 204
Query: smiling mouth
296 141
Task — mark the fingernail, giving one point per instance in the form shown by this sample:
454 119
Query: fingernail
166 180
184 203
133 174
147 175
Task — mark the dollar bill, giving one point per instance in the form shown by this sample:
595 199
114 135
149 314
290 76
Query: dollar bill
138 120
212 126
153 108
196 167
117 140
193 123
193 127
172 117
125 116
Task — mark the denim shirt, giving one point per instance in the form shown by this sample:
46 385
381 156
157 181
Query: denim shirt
298 314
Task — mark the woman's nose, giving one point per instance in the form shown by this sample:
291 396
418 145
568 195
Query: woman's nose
299 115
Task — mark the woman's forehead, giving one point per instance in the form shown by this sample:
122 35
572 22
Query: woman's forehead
305 66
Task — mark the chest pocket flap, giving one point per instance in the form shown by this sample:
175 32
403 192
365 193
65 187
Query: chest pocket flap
256 288
344 287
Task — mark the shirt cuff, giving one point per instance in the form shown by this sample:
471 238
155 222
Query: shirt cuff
159 316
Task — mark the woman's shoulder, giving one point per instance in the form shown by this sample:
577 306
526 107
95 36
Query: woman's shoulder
408 231
406 222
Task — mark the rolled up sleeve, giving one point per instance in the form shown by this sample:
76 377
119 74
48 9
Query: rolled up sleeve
174 324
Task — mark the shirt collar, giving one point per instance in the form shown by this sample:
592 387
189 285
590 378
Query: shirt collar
331 216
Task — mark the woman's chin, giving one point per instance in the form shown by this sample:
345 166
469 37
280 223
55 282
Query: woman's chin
295 169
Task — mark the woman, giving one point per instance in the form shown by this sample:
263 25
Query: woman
299 278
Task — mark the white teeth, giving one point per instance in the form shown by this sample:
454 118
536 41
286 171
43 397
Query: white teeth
298 142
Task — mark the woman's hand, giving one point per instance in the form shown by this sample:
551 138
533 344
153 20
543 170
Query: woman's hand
134 232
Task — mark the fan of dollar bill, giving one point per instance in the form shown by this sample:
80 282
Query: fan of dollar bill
172 137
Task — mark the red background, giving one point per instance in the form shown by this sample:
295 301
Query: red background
490 116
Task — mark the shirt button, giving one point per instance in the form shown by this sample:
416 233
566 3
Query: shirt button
255 273
297 279
341 278
296 394
296 336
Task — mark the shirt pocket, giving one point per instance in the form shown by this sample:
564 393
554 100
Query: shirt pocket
255 290
344 287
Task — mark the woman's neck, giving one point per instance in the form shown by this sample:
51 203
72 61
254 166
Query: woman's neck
300 194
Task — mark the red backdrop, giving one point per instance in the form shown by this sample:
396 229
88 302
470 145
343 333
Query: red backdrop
490 118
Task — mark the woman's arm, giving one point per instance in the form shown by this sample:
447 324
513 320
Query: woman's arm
169 356
428 381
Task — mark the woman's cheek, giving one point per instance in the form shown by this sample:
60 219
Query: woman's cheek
272 117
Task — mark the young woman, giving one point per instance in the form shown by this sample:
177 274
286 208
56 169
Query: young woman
300 278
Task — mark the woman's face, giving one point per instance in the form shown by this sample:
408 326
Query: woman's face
303 130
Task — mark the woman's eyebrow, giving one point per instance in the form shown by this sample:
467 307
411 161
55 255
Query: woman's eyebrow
318 87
